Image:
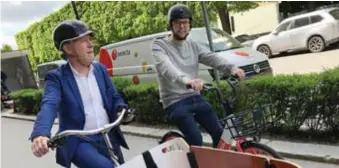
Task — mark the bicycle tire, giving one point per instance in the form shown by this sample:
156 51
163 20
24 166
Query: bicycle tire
171 135
250 144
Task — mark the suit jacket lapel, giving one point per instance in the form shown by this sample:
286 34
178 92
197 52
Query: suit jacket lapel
101 83
74 86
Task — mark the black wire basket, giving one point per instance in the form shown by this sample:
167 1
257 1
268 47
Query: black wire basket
249 123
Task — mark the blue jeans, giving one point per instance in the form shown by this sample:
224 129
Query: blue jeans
186 112
90 156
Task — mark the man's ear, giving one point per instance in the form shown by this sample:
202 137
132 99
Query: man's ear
67 48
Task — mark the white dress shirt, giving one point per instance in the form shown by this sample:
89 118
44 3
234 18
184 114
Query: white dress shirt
95 112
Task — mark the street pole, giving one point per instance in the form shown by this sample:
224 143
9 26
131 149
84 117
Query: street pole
209 36
75 10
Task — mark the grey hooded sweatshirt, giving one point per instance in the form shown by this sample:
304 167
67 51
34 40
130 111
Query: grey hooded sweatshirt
177 63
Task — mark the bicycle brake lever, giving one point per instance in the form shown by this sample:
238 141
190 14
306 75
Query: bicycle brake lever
208 86
129 116
233 80
53 143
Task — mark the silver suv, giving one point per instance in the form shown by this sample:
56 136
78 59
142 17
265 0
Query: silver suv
313 31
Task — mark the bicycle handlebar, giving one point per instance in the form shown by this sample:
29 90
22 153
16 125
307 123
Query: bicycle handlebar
232 80
53 142
226 103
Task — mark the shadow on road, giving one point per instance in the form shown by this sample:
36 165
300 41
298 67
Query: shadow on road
294 53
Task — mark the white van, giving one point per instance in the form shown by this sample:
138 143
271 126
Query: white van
133 58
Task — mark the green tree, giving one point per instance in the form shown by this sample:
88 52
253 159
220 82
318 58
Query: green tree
6 48
222 8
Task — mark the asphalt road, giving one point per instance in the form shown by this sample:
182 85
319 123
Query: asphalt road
305 62
16 152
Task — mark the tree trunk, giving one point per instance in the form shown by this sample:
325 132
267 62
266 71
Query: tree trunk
225 19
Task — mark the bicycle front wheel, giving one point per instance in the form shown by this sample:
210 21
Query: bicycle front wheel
259 149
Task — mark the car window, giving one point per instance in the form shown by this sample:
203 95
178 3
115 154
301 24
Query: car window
301 22
42 70
316 18
283 27
335 14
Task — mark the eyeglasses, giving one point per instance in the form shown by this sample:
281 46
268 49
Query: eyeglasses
178 23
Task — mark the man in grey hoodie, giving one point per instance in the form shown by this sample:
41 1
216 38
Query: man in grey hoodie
177 63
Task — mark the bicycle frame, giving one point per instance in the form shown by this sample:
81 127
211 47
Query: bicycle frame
104 130
238 126
226 140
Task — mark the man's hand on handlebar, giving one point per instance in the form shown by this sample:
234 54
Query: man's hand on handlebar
238 73
195 84
129 115
39 146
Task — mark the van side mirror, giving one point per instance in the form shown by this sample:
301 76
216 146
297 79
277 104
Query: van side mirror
275 32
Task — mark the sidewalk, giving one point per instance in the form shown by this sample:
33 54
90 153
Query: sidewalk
303 151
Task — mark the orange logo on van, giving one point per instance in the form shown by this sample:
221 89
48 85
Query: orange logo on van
245 54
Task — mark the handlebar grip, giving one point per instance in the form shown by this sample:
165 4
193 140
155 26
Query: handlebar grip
50 144
56 141
188 86
235 76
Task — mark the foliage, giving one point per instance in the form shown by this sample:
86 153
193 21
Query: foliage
27 101
112 22
6 48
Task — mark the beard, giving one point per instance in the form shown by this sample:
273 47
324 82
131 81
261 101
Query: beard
178 37
86 61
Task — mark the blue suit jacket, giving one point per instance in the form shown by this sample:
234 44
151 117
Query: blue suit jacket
61 98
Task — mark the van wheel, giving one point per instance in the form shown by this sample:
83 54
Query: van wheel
316 44
265 49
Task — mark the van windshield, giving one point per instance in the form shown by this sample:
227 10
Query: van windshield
222 41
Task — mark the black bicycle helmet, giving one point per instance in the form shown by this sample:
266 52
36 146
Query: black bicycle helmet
179 11
69 30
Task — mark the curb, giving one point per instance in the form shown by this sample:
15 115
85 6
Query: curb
308 157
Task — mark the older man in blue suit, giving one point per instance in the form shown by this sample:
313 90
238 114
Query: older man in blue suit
83 97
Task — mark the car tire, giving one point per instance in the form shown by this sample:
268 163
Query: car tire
316 44
265 49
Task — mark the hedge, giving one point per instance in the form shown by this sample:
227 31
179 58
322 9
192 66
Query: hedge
311 99
27 101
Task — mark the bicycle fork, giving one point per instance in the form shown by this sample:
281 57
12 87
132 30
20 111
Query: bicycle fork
110 149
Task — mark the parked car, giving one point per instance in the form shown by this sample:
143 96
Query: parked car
245 39
43 68
313 31
133 58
